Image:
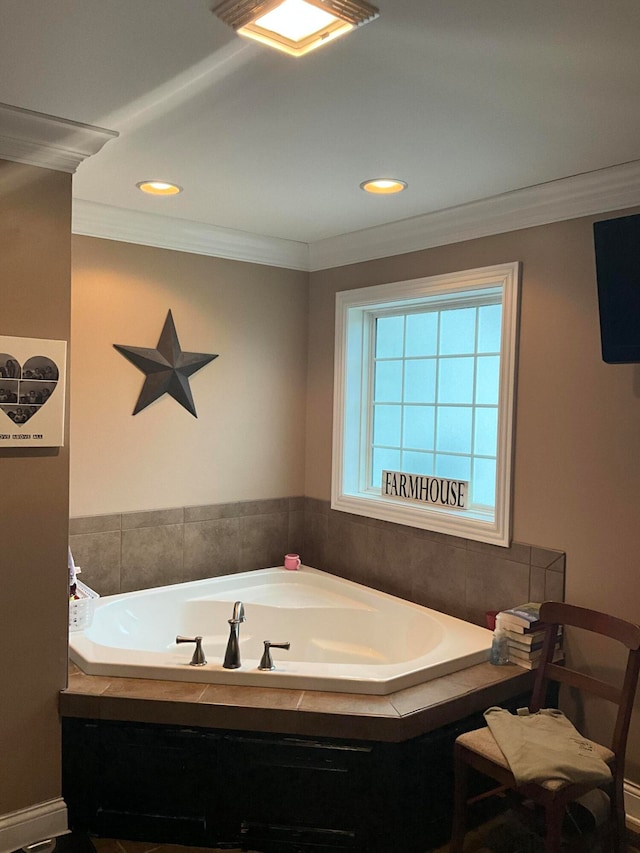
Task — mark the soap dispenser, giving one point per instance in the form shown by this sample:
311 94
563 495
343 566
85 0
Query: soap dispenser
499 654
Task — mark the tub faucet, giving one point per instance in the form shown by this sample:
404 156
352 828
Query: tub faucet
232 654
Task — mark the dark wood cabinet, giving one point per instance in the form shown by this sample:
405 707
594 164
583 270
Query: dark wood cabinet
297 789
137 781
274 793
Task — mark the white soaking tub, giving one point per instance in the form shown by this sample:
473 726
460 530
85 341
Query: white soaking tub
344 636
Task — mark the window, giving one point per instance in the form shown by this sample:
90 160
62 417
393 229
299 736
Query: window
425 386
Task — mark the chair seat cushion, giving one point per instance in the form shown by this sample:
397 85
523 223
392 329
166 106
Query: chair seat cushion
483 743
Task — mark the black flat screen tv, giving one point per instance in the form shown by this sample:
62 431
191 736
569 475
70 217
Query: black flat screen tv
617 246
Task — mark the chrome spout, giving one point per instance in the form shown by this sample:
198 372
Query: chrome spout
232 653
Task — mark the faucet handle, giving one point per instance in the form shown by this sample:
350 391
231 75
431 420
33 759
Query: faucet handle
198 658
266 661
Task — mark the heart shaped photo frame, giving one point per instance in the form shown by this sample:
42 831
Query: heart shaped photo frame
24 390
31 405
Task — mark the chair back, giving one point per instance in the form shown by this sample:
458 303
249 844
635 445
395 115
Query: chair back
554 614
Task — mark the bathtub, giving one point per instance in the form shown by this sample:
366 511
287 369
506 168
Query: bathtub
344 636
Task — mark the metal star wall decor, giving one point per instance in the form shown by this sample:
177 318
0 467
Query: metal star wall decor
167 368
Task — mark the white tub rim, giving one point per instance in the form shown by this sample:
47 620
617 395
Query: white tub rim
92 658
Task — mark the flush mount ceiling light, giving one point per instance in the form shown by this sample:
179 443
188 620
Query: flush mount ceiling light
294 26
158 188
383 186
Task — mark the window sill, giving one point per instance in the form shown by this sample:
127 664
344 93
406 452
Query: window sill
467 524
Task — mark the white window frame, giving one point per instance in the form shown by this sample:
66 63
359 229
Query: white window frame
352 383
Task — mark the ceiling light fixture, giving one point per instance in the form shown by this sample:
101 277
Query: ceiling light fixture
159 188
383 186
294 26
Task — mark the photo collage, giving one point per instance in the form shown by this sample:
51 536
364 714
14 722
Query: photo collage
23 391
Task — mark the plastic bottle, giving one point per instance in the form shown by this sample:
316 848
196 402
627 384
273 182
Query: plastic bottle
72 575
499 654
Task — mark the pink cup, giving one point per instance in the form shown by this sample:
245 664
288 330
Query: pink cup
490 619
292 562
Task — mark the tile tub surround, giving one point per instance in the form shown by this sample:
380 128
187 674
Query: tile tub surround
394 718
139 550
458 576
129 551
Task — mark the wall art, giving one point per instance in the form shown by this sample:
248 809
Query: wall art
32 392
167 368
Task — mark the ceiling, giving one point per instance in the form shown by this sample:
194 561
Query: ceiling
463 99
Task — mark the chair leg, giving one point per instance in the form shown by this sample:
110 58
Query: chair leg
618 817
554 815
461 774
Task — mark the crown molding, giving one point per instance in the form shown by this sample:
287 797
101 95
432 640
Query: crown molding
149 229
604 190
614 188
42 140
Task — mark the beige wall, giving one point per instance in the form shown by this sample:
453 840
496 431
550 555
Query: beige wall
248 439
35 211
578 419
577 439
577 461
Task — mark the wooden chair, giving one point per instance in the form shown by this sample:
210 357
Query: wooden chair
479 749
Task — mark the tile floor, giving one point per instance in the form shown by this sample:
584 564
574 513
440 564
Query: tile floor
500 835
111 845
84 844
475 843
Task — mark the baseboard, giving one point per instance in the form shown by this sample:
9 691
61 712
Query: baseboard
632 805
35 823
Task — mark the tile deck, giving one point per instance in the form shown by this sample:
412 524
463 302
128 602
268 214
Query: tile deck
393 718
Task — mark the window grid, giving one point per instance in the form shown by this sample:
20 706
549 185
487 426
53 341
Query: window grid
438 358
402 385
437 391
473 408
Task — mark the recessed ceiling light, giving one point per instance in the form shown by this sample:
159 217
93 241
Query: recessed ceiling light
159 188
294 26
383 186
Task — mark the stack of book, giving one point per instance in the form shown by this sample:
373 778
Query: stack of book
525 634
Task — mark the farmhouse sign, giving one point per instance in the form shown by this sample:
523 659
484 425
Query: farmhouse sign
422 489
